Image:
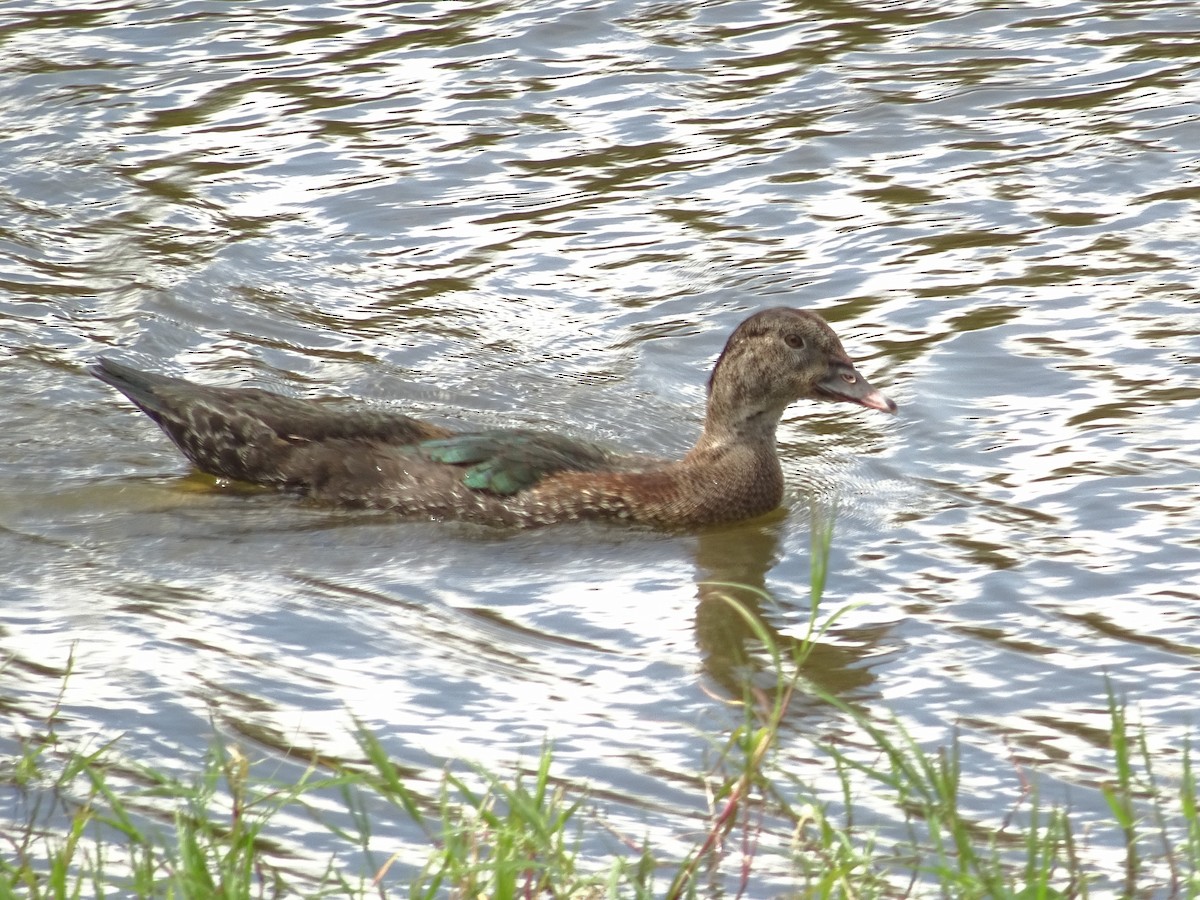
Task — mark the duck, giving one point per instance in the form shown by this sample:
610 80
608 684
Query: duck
367 457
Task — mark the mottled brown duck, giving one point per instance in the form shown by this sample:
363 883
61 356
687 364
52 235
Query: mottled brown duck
375 458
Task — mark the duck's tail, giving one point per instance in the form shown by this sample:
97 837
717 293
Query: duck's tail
140 387
221 430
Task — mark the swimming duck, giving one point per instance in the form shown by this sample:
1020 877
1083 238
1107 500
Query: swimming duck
380 459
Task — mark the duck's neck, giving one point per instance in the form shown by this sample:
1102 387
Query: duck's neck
730 421
735 464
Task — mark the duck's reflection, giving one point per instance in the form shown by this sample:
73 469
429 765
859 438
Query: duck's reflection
732 564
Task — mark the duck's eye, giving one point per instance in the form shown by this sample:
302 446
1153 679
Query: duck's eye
794 341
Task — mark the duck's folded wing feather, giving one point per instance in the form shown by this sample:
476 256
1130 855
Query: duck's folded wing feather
506 462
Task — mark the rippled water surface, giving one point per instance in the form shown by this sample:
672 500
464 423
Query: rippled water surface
551 214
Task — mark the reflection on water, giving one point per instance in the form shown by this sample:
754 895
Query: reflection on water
550 215
734 608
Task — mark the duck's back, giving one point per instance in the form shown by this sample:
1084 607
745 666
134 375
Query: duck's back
353 456
252 435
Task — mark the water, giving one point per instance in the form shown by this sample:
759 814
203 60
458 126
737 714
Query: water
551 215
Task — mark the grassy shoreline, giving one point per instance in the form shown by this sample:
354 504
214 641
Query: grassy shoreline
97 826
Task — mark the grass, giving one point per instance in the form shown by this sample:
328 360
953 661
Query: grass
90 824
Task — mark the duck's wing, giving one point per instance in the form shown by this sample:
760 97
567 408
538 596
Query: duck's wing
505 462
353 455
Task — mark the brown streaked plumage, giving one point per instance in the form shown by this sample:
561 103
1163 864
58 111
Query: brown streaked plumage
386 460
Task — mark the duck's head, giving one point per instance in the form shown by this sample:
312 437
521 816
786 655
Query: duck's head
774 358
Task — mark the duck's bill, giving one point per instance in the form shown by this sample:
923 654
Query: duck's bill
844 383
